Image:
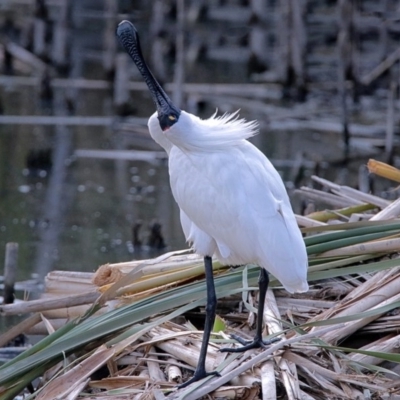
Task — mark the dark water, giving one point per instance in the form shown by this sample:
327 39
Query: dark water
98 201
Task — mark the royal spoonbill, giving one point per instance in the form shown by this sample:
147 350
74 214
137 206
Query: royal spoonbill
233 203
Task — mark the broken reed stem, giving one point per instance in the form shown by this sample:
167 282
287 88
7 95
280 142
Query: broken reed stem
382 169
271 319
391 211
335 335
387 344
42 329
153 366
188 353
380 246
325 216
307 222
43 305
110 273
381 285
287 370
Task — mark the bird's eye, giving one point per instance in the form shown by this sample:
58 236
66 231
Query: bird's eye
171 117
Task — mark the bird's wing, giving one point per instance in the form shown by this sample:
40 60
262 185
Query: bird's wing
224 191
203 243
238 198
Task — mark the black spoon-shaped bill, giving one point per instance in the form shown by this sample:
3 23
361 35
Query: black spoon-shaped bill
168 114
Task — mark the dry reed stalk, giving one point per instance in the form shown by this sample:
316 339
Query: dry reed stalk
73 312
336 335
305 396
337 368
26 307
307 222
77 390
374 282
386 246
387 344
382 169
386 323
110 273
328 198
49 327
268 366
356 296
162 281
306 306
391 211
339 376
334 287
154 367
327 215
67 283
186 349
117 382
268 383
63 385
321 375
351 392
78 311
351 193
174 373
112 366
287 369
128 298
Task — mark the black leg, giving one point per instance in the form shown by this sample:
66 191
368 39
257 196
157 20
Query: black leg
258 341
211 306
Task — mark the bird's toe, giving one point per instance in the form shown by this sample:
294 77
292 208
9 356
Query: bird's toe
249 344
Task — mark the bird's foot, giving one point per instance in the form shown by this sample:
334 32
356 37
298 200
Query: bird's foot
198 375
256 343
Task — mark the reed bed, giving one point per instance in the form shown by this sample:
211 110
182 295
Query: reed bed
133 330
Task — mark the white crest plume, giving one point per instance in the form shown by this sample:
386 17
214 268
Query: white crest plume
216 133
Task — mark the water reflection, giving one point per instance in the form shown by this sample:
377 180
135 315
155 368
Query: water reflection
92 214
79 213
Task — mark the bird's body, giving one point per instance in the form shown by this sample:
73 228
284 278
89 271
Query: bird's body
233 202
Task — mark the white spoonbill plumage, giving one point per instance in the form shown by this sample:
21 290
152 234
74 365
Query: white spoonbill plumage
233 203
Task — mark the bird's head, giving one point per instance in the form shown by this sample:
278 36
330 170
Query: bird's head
175 133
168 117
168 114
